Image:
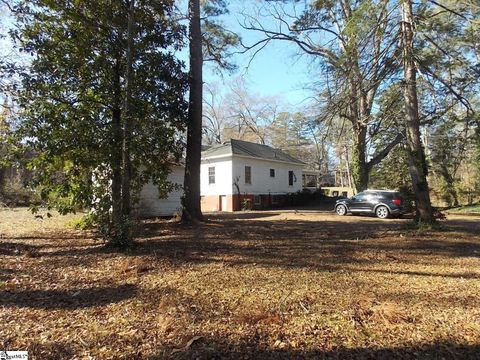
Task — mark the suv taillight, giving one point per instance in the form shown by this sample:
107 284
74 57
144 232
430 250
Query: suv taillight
397 202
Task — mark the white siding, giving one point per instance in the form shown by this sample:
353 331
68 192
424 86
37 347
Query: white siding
151 205
262 183
223 177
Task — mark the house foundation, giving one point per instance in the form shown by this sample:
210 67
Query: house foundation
237 202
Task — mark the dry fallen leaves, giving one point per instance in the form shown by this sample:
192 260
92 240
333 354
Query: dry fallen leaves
270 285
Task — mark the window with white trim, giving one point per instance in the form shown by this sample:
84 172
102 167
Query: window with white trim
211 175
248 175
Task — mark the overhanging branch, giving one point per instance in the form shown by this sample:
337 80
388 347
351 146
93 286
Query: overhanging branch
382 154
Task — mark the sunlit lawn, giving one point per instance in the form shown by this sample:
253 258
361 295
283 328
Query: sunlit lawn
467 209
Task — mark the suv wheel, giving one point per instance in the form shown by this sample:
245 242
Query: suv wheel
341 210
382 212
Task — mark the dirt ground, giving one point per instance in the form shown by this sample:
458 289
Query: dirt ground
276 284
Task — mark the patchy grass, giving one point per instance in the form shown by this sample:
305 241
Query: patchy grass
247 285
472 209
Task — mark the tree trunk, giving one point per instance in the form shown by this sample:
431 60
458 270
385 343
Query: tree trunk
116 164
359 164
191 199
416 156
349 173
116 156
127 118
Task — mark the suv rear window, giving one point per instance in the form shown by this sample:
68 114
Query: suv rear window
391 195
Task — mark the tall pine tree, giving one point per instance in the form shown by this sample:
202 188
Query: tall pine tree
208 41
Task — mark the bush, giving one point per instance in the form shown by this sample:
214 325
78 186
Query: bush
86 222
246 204
304 197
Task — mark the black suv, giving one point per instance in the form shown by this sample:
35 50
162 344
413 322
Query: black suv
382 203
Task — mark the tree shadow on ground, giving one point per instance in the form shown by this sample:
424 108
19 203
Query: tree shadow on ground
6 274
470 225
326 245
15 248
206 348
67 299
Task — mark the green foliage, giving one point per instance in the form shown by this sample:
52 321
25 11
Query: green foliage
392 172
72 95
217 40
86 222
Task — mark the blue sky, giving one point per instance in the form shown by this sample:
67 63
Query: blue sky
275 71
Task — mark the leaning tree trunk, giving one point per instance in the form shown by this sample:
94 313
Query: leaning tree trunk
416 156
191 199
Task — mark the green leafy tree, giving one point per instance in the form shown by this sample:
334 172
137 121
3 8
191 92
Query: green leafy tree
102 102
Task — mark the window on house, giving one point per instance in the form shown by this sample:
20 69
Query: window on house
248 174
290 178
211 175
257 200
272 172
310 181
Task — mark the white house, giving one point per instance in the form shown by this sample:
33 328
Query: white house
151 205
240 173
233 175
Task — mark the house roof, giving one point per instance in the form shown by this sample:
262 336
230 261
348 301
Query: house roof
246 148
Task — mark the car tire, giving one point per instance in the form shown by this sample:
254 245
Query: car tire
341 210
382 212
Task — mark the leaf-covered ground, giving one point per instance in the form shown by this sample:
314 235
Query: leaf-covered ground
248 285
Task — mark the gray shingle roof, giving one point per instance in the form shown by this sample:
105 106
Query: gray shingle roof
246 148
